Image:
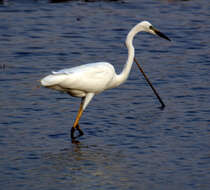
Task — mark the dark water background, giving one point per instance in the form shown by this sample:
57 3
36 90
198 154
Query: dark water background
129 142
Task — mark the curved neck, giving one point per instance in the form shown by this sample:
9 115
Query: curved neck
122 77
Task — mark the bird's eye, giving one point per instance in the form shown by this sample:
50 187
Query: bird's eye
150 27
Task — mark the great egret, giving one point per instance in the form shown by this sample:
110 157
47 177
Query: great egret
87 80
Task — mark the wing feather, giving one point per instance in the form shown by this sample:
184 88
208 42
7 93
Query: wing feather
92 77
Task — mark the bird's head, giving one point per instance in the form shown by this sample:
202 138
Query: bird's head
147 27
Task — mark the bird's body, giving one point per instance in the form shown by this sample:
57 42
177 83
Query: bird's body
80 80
87 80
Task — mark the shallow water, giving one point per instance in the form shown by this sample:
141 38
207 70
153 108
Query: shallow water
129 143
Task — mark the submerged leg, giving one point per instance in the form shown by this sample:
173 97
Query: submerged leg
73 130
85 101
76 124
80 131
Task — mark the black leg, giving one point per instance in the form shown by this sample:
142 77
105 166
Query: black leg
73 138
72 132
80 131
76 123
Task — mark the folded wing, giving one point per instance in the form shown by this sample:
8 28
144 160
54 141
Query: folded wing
93 77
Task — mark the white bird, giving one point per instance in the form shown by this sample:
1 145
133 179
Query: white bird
87 80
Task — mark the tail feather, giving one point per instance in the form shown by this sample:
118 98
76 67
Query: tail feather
51 80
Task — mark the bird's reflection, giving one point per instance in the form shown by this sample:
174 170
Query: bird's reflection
80 164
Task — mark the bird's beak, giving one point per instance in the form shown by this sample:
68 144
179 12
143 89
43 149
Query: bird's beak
157 32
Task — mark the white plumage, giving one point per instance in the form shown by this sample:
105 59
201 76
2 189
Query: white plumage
81 80
87 80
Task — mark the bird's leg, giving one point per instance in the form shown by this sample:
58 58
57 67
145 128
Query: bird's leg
80 131
84 102
76 124
73 130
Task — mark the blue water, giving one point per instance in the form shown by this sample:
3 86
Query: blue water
129 143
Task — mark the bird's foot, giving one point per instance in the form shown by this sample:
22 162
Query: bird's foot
74 141
73 138
81 133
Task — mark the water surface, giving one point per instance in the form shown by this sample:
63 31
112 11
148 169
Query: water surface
129 142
